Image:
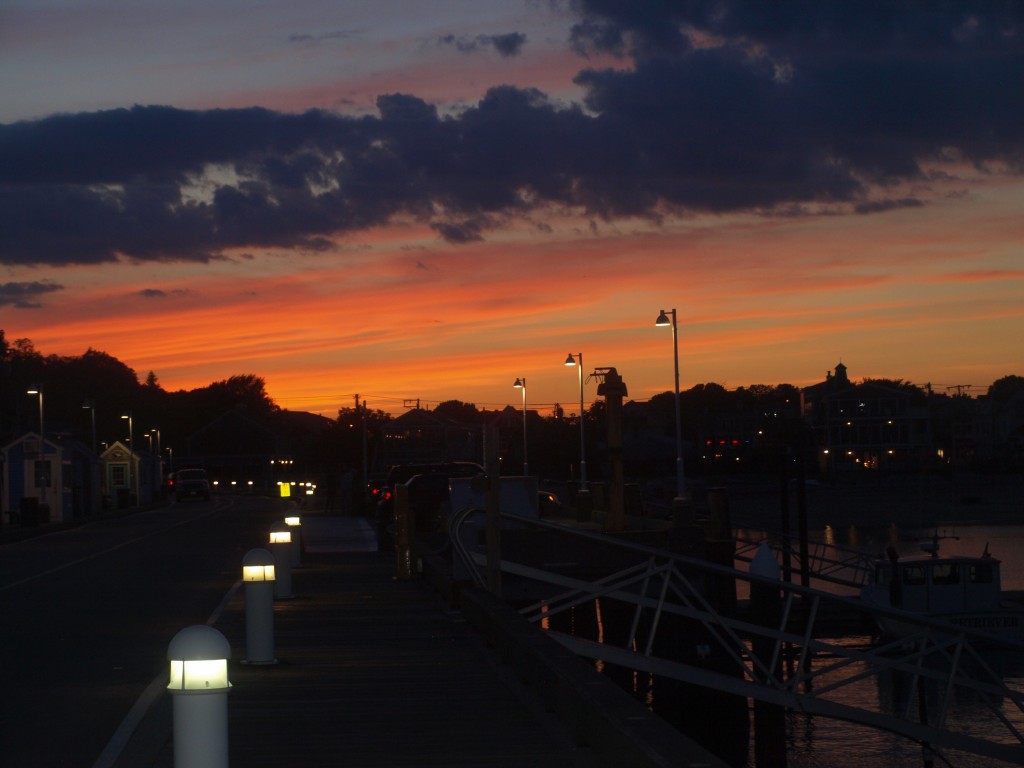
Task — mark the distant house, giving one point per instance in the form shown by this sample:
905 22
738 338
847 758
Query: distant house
61 483
128 478
419 436
871 425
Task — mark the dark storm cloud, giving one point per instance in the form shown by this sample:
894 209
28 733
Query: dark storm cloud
727 106
159 293
799 27
306 37
509 44
23 295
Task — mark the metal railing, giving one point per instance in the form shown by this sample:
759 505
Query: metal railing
787 661
828 563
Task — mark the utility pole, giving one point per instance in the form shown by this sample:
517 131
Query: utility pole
366 472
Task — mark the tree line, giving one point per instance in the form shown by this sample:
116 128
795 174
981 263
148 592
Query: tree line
96 385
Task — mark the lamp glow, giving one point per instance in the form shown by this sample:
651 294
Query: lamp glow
281 537
199 660
198 675
257 573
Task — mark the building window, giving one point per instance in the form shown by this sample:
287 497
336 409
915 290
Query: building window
118 474
981 573
42 473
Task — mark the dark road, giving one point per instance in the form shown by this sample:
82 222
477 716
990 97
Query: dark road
87 615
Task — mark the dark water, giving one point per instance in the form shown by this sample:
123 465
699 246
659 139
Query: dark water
817 742
967 515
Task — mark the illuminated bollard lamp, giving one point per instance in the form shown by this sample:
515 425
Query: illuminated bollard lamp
199 688
281 549
294 523
258 577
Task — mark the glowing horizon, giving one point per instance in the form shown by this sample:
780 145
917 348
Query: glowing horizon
422 205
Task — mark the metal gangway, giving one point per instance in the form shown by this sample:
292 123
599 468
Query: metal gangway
846 568
791 662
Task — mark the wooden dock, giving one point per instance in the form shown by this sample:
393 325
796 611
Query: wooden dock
375 671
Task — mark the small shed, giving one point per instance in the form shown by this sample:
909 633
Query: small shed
127 478
49 480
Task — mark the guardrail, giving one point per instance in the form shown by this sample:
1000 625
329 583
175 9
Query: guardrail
782 662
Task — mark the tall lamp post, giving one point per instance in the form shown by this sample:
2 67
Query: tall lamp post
663 320
159 480
43 480
571 360
91 405
520 383
131 454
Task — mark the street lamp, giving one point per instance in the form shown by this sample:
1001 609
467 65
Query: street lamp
131 452
663 320
44 479
571 360
520 383
91 405
159 453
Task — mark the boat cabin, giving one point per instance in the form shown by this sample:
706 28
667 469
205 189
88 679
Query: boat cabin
941 585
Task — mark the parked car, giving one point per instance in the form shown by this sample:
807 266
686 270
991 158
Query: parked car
190 483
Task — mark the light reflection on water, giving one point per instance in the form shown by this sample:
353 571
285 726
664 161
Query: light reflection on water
819 742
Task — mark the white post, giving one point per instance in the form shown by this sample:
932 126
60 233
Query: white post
281 549
259 578
294 522
199 688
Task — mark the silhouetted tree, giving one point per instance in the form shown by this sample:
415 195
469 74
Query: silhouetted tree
916 393
458 411
1005 389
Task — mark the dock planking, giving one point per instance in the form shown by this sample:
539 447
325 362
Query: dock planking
371 671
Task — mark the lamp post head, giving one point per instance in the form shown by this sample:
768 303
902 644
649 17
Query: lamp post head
33 391
570 360
519 383
662 319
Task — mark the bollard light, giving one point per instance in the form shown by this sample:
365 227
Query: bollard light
281 549
258 575
258 565
254 570
199 686
199 659
282 536
294 523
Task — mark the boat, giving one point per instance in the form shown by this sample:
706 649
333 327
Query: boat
961 590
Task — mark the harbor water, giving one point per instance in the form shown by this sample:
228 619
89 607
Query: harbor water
964 515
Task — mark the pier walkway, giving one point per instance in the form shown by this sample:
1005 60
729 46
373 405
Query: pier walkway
375 671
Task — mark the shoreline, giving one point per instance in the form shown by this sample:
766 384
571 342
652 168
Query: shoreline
908 502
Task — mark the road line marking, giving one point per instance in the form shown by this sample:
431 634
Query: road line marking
112 752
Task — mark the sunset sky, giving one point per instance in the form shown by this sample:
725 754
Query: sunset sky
426 200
